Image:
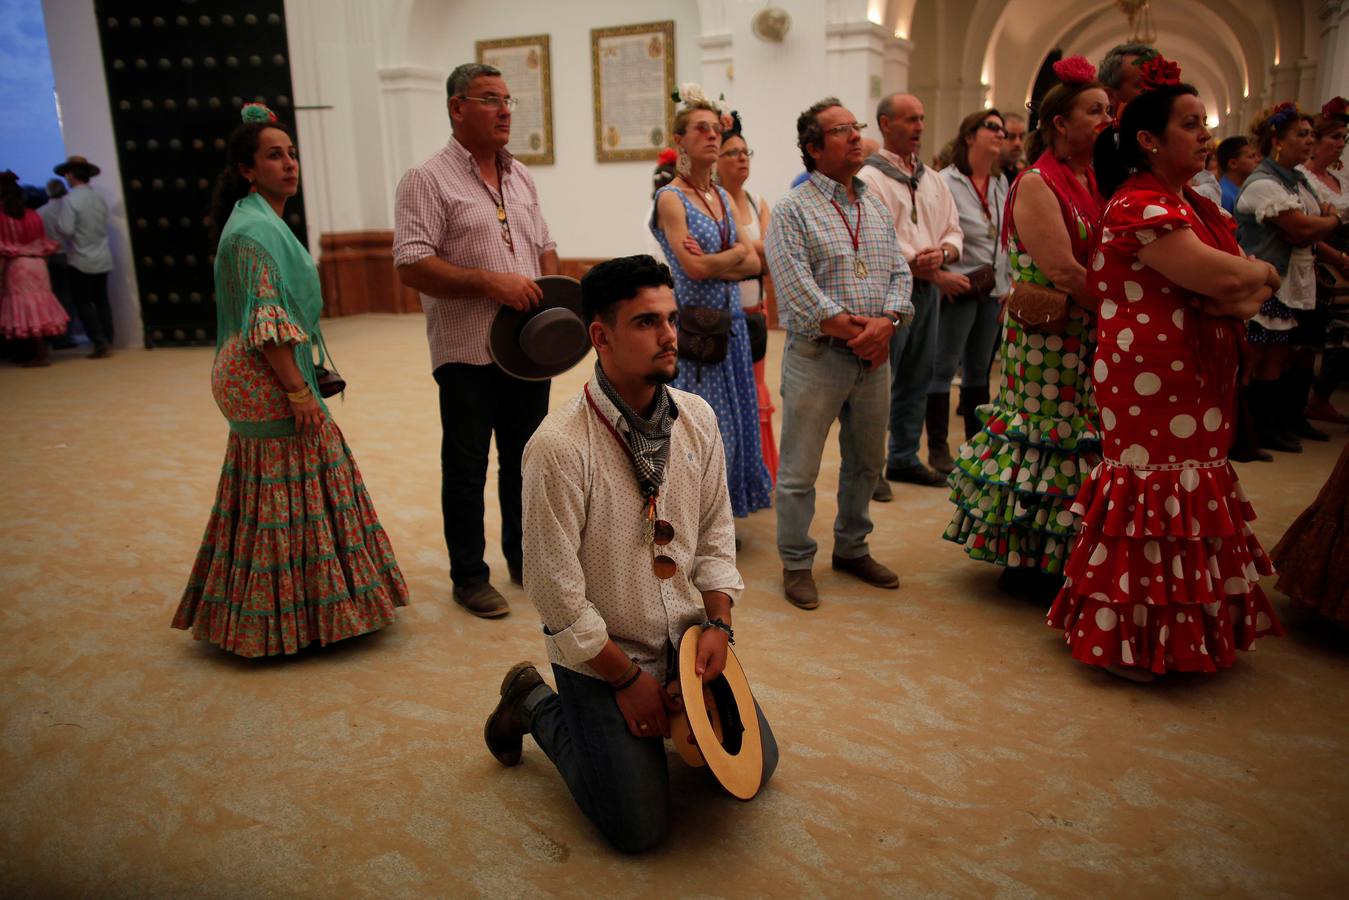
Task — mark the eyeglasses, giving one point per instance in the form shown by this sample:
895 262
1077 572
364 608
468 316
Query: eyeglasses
736 154
492 101
661 535
993 127
847 128
703 128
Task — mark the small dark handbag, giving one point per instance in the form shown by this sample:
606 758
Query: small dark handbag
982 281
1038 307
757 326
330 383
704 334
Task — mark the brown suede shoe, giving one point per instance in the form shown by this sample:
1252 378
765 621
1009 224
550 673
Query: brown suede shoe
800 588
506 728
481 599
867 569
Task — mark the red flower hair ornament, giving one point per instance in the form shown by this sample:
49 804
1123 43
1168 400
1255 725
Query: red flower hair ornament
1074 70
1158 72
1336 109
667 157
1282 114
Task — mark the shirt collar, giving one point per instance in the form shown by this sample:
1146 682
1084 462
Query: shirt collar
461 153
834 190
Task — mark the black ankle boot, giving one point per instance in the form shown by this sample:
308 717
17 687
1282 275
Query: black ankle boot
1295 386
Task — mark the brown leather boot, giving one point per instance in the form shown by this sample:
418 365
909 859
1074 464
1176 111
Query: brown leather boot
938 428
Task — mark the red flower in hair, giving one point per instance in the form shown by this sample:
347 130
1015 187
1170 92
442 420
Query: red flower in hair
1336 109
1075 70
1159 72
667 157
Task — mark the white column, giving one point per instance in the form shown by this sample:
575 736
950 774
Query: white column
86 128
415 122
1333 76
718 56
1307 95
855 58
1283 82
898 52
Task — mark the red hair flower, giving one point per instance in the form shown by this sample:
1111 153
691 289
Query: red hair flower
1336 109
1159 72
1281 115
667 157
1075 70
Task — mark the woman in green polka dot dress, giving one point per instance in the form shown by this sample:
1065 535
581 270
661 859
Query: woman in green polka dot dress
1015 480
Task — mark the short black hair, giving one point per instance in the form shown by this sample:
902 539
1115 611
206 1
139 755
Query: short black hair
618 279
1230 149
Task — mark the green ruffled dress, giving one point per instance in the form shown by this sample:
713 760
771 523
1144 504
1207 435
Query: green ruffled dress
1015 481
293 551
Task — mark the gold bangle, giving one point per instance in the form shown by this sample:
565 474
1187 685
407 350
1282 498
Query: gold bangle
302 396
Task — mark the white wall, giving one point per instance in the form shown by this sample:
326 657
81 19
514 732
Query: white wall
86 127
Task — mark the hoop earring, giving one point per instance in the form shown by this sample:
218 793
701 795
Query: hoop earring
683 165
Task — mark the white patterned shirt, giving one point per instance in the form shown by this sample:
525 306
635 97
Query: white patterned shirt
443 208
588 569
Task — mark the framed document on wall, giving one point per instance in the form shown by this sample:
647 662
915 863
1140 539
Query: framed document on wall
633 73
526 67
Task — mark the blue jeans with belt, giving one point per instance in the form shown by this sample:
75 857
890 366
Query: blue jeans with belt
821 385
912 351
620 782
966 333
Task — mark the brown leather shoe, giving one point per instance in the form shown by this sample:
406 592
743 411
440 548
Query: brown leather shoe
882 492
919 474
867 569
506 726
481 599
799 585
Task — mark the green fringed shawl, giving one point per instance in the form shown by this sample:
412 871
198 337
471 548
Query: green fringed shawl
261 263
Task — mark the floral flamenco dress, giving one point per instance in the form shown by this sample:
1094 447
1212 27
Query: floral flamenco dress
1165 572
1014 482
293 551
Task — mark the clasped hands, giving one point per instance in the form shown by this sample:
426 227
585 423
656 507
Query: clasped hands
867 336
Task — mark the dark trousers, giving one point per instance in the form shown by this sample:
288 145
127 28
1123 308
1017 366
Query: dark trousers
475 403
912 353
620 782
90 293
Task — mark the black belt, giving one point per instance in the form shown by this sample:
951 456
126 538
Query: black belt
841 344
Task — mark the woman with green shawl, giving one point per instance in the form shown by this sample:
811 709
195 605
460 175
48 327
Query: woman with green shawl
293 551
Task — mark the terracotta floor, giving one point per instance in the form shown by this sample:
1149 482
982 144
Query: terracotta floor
937 740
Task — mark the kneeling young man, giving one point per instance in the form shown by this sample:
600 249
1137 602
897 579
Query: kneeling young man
628 541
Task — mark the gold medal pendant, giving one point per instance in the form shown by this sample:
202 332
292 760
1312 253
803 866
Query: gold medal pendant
501 213
859 267
992 232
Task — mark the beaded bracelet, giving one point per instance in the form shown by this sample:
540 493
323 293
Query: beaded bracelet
718 624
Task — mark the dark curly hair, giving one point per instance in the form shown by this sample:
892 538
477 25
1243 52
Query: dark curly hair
808 130
619 279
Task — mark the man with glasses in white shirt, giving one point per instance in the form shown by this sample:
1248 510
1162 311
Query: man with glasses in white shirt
470 238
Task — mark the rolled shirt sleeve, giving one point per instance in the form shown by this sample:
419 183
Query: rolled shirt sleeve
554 506
418 218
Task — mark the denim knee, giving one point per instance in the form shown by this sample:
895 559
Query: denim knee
639 832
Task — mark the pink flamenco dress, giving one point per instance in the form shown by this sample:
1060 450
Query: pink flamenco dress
28 308
293 552
1165 572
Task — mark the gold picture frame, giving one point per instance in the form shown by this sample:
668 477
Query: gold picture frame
526 66
632 71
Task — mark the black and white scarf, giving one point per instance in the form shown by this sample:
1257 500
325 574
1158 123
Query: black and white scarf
648 439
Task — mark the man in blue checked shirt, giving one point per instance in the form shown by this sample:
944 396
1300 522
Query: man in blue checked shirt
843 289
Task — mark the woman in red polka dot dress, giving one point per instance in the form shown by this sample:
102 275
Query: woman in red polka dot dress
1165 572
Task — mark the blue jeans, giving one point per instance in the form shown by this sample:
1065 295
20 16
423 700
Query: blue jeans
821 384
966 333
911 354
621 782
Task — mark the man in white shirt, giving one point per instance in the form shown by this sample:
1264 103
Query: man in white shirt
928 228
83 223
628 541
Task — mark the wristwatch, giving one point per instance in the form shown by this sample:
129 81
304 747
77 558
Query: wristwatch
945 255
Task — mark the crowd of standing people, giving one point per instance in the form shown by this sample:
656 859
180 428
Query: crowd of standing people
1129 318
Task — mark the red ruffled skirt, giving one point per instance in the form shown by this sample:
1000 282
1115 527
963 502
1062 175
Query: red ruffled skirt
1165 573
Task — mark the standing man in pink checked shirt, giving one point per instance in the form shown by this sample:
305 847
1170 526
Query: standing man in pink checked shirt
469 236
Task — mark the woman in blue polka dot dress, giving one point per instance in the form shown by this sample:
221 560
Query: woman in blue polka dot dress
695 224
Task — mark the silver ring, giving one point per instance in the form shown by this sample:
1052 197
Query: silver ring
642 726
